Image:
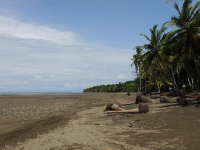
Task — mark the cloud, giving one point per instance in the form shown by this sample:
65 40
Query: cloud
50 88
121 76
67 85
42 66
38 77
16 29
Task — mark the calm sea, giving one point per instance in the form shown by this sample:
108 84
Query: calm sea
39 93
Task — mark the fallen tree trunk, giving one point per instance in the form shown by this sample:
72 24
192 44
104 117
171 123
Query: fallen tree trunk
128 103
142 108
113 106
116 106
183 102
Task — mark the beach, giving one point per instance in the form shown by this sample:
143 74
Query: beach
78 121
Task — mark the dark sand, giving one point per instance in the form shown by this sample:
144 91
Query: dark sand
77 122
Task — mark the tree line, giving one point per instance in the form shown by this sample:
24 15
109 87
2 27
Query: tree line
172 58
121 87
168 60
128 86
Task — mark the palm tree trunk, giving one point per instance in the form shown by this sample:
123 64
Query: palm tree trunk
195 61
145 86
158 86
172 76
174 80
192 79
140 82
137 84
197 85
189 83
164 87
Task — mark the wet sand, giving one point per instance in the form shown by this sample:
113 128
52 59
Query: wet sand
48 122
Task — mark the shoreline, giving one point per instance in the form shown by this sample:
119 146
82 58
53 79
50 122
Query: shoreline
86 126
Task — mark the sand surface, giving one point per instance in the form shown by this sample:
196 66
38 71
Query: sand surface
78 122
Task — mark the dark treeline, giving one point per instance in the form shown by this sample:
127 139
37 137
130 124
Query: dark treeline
147 85
121 87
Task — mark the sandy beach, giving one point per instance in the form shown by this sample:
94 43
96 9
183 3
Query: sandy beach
78 122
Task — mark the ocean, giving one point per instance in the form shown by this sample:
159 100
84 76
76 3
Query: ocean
40 93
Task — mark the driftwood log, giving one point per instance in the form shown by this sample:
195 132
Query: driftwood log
183 102
164 99
116 105
142 108
113 106
142 99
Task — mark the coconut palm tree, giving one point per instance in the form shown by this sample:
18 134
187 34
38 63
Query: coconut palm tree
137 62
154 53
188 30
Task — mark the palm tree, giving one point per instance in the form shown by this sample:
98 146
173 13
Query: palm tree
155 48
188 32
137 62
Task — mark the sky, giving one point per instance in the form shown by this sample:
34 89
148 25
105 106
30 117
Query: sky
70 45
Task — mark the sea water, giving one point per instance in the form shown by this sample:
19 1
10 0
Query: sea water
39 93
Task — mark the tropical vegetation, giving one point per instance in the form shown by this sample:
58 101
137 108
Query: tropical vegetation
121 87
169 59
172 58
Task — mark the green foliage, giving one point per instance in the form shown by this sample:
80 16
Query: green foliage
172 57
121 87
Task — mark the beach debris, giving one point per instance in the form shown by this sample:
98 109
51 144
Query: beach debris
138 120
142 99
116 105
113 106
127 103
129 93
164 99
142 108
131 124
183 102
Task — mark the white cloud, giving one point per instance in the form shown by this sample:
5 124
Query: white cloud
121 76
38 77
16 29
55 65
50 88
67 85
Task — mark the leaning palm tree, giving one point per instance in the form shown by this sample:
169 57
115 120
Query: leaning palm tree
188 30
154 53
137 62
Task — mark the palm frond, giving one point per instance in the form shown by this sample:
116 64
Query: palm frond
146 37
186 4
195 19
177 8
172 34
195 6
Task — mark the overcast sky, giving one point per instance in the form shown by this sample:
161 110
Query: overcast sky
69 45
